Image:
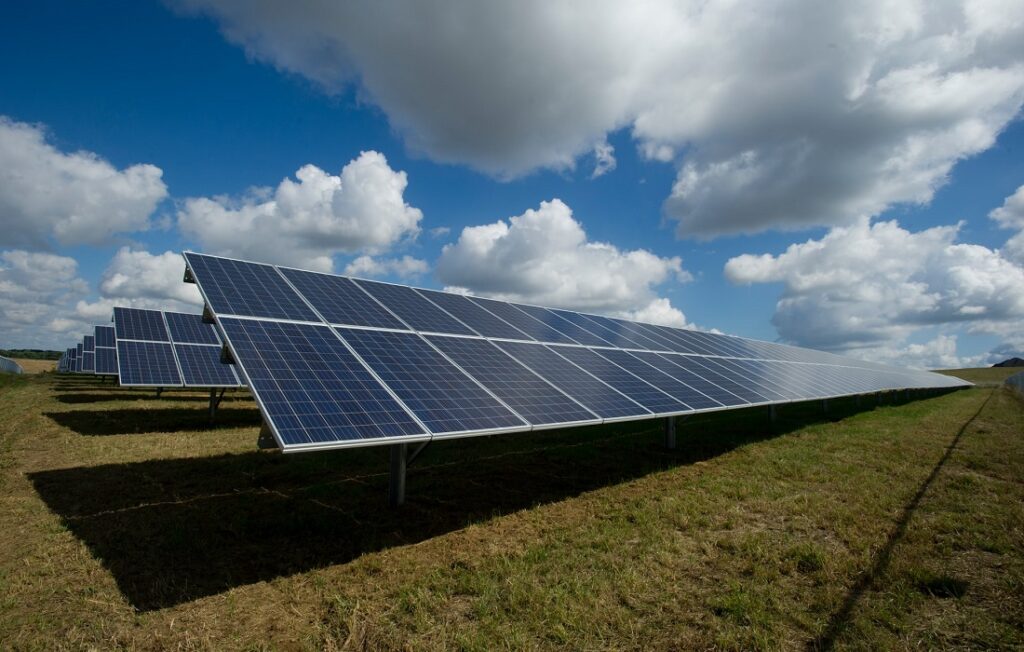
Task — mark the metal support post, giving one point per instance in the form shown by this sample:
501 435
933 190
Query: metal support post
670 433
773 414
396 486
215 402
159 390
824 405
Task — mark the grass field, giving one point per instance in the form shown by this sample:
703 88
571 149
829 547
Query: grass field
33 366
131 523
983 376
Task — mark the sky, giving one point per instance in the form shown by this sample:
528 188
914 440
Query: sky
848 178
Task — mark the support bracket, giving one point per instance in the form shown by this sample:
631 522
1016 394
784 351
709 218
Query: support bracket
266 439
208 317
215 400
401 459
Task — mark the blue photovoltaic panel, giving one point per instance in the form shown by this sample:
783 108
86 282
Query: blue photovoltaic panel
698 367
413 309
444 398
340 301
712 394
474 316
755 381
563 326
312 389
89 343
678 390
606 329
106 361
201 366
522 321
147 364
530 396
190 329
136 324
89 362
632 386
597 396
105 336
234 287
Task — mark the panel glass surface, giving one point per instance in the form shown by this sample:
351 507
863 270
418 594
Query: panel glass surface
311 387
147 363
340 300
522 321
89 343
190 329
201 366
708 394
571 329
238 288
632 386
595 395
105 336
89 362
705 368
444 398
614 332
633 364
106 360
474 316
413 309
534 399
136 324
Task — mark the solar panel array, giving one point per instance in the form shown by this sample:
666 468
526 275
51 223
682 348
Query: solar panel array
106 351
337 362
168 349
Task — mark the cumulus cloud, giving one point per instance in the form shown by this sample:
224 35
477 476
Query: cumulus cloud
1011 216
36 290
937 353
604 159
870 286
75 198
543 256
139 279
304 222
369 267
807 113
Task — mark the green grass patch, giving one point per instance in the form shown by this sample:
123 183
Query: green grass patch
131 522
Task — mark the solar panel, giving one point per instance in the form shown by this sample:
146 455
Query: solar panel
138 324
233 287
79 355
340 301
312 389
190 329
336 362
510 314
106 361
105 336
598 397
89 362
419 313
474 316
89 343
444 398
533 398
147 364
201 366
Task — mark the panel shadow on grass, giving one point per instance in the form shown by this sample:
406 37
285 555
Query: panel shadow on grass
131 421
171 531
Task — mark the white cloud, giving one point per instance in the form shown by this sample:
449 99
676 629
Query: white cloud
871 286
1011 216
139 279
369 267
305 222
75 198
604 159
36 290
543 256
783 114
937 353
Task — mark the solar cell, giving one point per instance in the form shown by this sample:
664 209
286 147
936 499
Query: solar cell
533 398
666 383
89 362
312 389
149 364
190 329
755 381
704 368
340 301
105 336
413 309
616 333
564 326
709 395
201 366
632 386
474 316
136 324
106 361
234 287
89 343
444 398
522 321
597 396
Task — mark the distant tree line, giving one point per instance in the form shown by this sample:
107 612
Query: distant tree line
30 354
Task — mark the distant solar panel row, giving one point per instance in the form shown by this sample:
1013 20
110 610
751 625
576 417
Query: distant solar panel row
106 351
336 362
168 349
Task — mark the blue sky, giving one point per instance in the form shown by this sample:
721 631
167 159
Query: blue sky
492 116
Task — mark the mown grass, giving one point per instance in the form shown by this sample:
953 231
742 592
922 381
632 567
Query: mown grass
130 522
983 376
34 366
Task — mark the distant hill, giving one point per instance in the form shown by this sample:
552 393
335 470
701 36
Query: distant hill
30 354
1012 362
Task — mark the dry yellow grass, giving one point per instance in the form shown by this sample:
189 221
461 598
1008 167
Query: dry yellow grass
31 366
